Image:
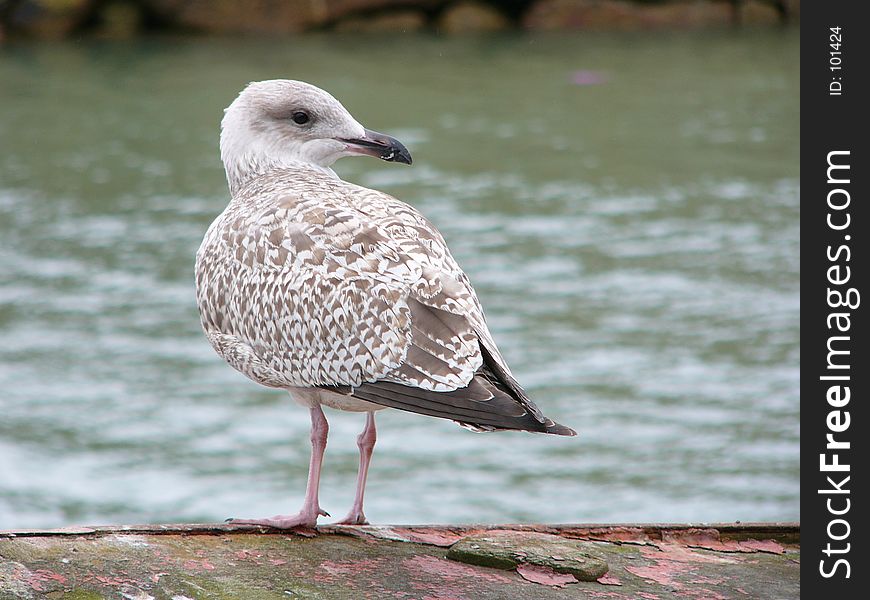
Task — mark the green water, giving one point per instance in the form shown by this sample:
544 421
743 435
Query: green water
635 242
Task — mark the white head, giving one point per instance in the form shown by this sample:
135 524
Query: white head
282 123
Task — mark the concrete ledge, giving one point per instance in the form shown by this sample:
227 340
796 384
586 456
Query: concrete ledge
199 561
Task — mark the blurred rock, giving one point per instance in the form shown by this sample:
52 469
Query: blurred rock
472 17
395 22
238 16
339 9
757 12
47 18
116 18
625 15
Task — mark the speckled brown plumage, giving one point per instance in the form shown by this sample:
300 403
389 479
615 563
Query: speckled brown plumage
307 281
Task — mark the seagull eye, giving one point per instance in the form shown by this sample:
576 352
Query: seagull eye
300 118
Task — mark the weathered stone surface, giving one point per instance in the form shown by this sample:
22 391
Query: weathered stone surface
626 15
472 17
508 549
758 561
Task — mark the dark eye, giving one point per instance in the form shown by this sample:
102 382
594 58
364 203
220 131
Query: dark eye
300 118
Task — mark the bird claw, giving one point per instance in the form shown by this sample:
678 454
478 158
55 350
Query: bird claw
302 519
353 519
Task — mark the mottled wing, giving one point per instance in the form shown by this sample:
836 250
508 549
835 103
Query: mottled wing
352 290
448 331
304 290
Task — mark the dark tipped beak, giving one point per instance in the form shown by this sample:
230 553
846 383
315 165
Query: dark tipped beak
380 146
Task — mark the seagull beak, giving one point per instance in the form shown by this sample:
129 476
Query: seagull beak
380 146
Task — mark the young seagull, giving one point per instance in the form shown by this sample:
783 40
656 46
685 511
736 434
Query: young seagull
341 295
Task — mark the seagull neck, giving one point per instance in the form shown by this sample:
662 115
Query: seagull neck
238 179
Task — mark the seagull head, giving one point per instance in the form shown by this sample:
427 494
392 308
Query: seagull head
282 122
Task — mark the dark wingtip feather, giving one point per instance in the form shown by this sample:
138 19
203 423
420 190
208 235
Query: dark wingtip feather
557 429
549 426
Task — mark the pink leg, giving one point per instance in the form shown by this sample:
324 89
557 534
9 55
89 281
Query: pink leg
307 517
366 442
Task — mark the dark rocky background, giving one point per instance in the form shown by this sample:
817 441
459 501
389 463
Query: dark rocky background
51 19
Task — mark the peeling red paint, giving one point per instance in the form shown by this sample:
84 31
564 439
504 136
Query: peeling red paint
660 573
594 594
629 535
719 546
350 567
670 562
450 569
678 553
345 572
609 579
674 566
710 539
37 579
248 555
47 575
545 575
745 546
304 532
706 594
443 539
699 536
166 560
198 565
453 580
764 546
112 581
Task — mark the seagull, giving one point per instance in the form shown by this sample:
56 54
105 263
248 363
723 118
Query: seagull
341 295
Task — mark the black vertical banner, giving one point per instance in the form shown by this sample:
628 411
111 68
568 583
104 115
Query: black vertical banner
835 224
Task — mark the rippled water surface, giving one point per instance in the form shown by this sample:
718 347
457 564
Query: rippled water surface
626 206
